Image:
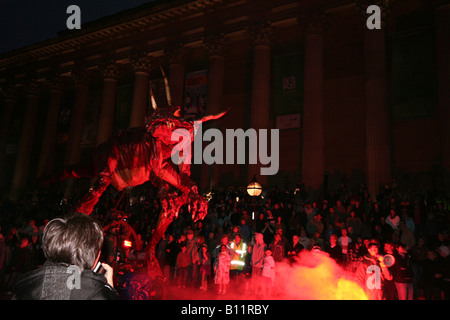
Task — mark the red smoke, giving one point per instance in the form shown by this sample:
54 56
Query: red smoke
315 276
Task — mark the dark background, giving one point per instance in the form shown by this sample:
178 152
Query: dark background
27 22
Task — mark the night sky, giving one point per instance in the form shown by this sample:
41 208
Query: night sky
26 22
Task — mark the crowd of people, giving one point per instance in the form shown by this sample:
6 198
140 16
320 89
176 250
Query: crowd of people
245 237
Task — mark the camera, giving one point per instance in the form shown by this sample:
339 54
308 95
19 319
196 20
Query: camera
99 268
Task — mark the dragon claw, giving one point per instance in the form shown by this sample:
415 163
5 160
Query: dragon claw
171 205
199 208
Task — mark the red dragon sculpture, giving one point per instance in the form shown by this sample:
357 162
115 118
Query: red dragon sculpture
136 155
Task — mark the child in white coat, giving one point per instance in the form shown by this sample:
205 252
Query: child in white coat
222 267
268 272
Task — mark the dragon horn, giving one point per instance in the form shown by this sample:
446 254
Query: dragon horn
166 84
154 105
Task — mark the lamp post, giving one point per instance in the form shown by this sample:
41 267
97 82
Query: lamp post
254 190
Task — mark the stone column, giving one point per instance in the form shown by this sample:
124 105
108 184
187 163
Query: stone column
142 67
215 47
313 128
10 94
73 150
261 38
110 73
45 165
216 69
442 29
176 73
23 159
378 144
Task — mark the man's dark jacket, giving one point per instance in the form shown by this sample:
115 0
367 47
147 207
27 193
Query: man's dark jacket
58 282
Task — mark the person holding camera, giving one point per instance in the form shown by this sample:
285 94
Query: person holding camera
72 248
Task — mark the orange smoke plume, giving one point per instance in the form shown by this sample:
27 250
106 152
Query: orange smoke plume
312 276
315 276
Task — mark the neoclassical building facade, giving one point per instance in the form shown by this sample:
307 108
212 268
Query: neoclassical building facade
351 103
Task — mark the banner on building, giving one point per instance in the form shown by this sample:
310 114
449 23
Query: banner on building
195 92
64 116
90 126
124 100
288 84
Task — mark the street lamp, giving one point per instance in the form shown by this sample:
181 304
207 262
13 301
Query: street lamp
254 189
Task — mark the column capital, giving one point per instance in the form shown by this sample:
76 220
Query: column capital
81 76
261 34
142 62
214 44
175 53
313 22
54 83
110 70
33 87
9 92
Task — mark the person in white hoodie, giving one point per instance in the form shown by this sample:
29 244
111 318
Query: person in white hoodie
268 272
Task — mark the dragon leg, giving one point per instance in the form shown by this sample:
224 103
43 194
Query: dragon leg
170 208
171 204
88 202
187 186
